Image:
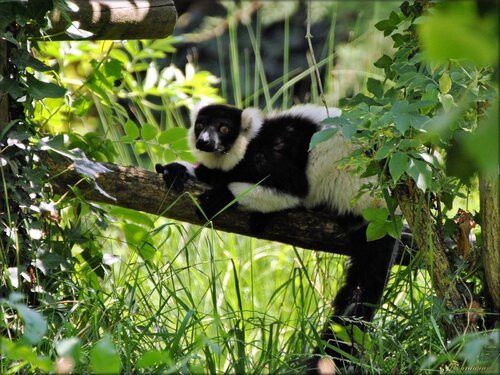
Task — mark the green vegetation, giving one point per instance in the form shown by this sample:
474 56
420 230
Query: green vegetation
93 287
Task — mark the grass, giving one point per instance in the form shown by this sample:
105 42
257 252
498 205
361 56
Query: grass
170 297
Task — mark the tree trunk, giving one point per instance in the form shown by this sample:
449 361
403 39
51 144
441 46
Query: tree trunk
490 230
430 242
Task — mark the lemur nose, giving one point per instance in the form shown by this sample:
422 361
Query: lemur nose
205 145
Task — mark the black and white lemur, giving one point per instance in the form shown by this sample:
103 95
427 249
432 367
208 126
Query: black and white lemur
263 160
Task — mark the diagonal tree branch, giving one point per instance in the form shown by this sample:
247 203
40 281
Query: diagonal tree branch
142 190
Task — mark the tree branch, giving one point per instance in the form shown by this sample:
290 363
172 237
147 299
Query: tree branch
142 190
117 19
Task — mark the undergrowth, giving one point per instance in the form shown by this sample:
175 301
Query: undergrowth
145 294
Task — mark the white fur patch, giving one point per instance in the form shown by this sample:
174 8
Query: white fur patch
262 199
332 185
313 112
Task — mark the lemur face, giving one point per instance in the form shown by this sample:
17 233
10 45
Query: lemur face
216 128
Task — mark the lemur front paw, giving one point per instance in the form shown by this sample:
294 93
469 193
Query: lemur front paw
213 201
174 174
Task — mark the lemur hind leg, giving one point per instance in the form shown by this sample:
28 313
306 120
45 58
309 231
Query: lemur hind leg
357 301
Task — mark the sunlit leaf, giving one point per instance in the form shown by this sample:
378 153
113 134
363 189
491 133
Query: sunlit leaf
154 358
103 358
456 31
131 130
171 135
444 83
148 132
421 173
375 230
375 214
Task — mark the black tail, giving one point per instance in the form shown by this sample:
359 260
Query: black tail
357 301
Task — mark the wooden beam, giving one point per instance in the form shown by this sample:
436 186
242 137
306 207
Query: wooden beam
114 20
142 190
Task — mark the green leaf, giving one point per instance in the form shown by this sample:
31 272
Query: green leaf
172 135
322 135
112 69
444 83
384 151
12 87
23 59
154 358
375 87
35 325
164 45
19 351
133 216
103 357
421 173
349 130
384 62
140 147
137 237
148 132
131 131
456 31
168 156
395 228
397 165
375 230
82 105
40 90
375 214
447 101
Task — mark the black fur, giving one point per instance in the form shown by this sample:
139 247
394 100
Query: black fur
277 157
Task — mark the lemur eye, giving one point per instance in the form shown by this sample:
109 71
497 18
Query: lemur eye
224 129
198 126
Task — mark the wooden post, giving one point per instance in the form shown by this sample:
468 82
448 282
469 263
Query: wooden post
114 20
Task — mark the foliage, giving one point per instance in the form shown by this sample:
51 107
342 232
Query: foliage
410 121
111 290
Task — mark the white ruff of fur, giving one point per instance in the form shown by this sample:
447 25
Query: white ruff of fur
262 199
251 122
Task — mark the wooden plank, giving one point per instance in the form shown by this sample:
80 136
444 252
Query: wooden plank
114 20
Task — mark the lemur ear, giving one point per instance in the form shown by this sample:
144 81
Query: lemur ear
251 120
197 107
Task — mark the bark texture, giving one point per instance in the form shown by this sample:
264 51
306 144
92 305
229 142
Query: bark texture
432 247
490 230
116 19
142 190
